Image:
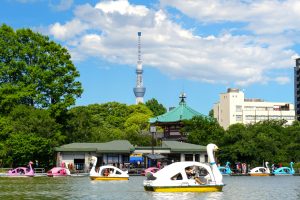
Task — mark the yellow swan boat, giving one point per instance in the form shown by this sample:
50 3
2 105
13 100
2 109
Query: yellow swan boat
187 176
107 173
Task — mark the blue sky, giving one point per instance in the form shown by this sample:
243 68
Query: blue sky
199 47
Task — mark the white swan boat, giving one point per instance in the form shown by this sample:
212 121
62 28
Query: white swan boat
107 173
174 177
261 171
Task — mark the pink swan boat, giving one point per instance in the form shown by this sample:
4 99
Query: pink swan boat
58 172
22 171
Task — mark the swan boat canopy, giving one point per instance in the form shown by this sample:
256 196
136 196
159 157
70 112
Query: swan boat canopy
187 177
22 171
107 173
285 170
261 171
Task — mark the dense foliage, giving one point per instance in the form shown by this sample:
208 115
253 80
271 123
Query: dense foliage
109 121
254 143
28 133
155 107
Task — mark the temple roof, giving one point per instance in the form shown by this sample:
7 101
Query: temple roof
182 112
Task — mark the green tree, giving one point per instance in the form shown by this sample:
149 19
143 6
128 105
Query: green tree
292 148
108 121
29 133
79 124
255 143
35 71
155 107
23 148
211 113
203 130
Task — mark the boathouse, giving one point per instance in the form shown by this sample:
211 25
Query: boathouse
78 155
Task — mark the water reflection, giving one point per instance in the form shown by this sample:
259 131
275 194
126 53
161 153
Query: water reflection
187 196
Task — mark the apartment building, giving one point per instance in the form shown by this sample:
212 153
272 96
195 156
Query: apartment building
297 88
233 108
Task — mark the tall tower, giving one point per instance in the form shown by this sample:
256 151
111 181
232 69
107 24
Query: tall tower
139 90
297 88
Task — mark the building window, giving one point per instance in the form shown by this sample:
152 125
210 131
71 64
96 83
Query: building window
250 117
238 108
79 164
197 156
188 157
239 118
249 108
112 158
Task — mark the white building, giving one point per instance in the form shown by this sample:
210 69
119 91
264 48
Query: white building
234 108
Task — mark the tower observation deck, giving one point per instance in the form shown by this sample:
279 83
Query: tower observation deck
139 90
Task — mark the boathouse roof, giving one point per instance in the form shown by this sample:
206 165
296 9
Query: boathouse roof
173 147
176 146
115 146
124 146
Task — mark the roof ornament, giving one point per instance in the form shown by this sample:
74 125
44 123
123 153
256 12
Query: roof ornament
182 96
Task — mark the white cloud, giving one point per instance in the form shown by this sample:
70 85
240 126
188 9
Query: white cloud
122 7
262 16
282 80
69 30
108 31
61 5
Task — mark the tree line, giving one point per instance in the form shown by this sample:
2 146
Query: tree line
38 91
269 140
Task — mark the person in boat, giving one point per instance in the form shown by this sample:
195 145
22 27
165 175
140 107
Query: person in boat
191 174
106 172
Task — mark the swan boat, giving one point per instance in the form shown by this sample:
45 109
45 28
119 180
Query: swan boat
107 173
22 171
225 170
285 170
151 170
174 177
58 172
261 171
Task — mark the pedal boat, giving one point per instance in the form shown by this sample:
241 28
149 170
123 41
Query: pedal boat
151 170
107 173
21 171
225 170
58 172
261 171
164 180
285 170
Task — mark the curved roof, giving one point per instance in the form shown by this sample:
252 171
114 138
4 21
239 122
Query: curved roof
182 112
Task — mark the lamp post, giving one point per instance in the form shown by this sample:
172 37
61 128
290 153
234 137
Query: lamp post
153 131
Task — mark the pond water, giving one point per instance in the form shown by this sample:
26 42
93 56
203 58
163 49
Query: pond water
237 188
